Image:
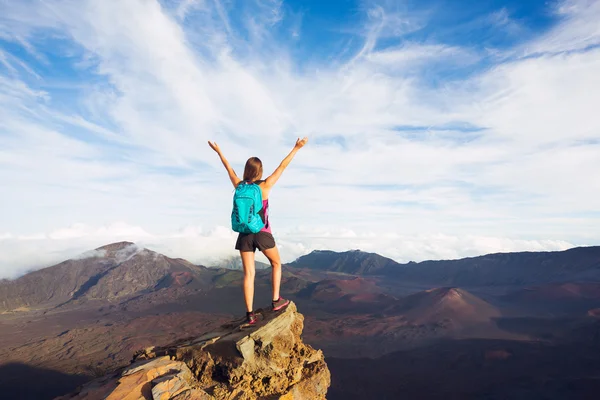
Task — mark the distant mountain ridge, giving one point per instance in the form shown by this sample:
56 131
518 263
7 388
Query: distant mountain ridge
119 270
522 268
354 262
235 263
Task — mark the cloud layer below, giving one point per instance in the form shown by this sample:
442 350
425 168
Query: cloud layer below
21 254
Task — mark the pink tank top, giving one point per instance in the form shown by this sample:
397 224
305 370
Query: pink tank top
267 227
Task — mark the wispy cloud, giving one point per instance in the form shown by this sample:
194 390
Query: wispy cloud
186 6
106 107
579 29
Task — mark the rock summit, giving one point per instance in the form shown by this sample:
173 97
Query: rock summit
266 361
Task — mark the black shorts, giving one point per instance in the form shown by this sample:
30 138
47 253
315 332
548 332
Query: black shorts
252 241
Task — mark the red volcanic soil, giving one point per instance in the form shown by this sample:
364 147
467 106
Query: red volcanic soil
181 278
435 305
594 313
558 292
63 350
366 297
354 285
333 289
354 296
362 303
363 335
497 354
411 321
176 279
472 369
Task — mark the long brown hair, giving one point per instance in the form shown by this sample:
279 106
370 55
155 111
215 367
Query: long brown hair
253 169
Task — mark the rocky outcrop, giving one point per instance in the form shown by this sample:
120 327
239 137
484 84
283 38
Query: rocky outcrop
265 361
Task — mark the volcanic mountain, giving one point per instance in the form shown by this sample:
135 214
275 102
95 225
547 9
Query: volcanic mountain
235 263
444 304
351 262
412 321
111 272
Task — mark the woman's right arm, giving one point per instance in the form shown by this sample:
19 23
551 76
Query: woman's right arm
232 175
271 180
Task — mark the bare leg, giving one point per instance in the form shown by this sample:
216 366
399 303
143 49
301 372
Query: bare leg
249 272
273 255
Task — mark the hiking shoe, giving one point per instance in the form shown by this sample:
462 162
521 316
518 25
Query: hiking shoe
279 304
251 318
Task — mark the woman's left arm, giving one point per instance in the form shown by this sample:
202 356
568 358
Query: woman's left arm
232 175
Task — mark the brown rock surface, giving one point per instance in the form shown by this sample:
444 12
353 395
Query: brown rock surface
268 360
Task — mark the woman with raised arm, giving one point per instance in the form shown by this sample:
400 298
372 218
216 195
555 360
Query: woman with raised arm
247 243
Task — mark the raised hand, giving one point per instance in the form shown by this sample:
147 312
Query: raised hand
301 142
214 146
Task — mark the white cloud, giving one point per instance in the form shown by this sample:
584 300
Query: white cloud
410 54
503 153
90 254
185 6
208 247
389 18
579 29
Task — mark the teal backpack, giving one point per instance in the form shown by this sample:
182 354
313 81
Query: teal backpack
247 206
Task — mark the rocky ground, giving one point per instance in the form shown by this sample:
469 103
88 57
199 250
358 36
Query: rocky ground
268 360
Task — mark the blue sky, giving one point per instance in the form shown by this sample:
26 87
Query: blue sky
437 129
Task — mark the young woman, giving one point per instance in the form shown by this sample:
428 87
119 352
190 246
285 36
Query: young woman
247 243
